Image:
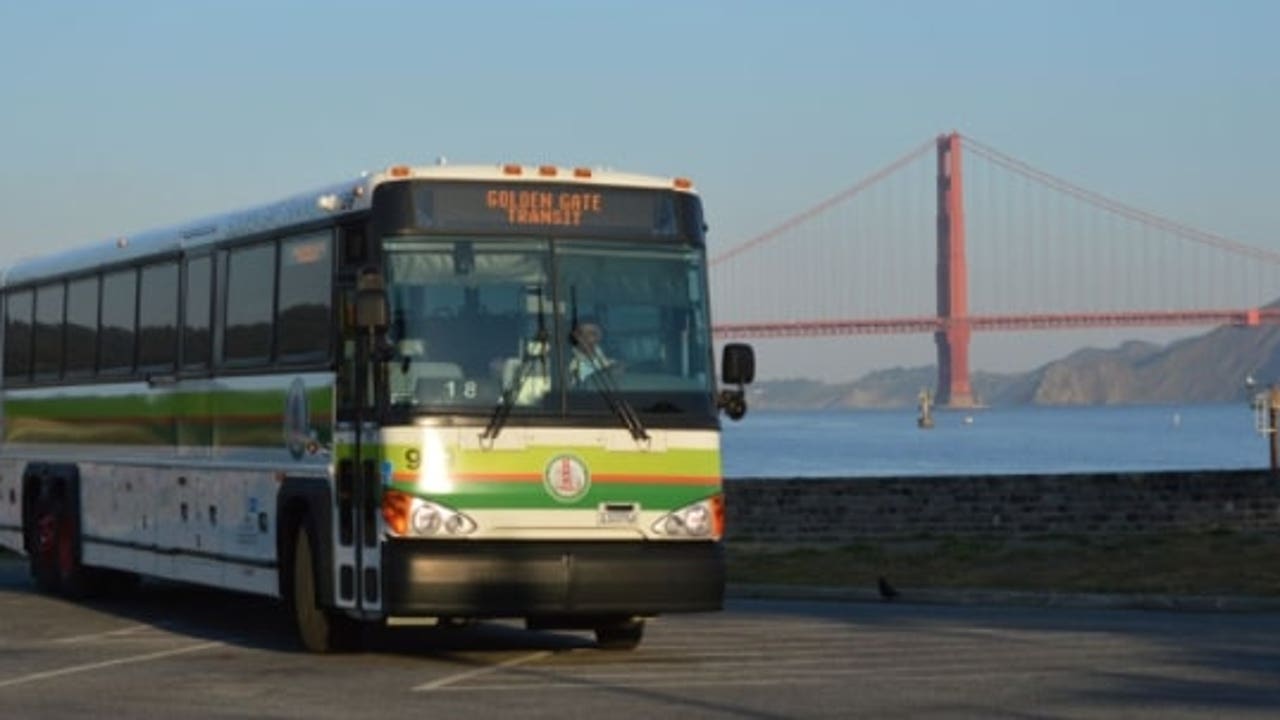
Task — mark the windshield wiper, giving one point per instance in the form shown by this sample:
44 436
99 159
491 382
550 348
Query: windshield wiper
507 401
602 376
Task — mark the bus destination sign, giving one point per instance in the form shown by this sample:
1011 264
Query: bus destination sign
559 209
543 207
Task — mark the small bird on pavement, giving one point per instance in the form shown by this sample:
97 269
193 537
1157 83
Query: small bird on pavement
887 591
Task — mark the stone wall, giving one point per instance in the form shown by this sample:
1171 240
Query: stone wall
841 510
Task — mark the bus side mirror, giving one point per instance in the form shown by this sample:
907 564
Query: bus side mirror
372 308
737 367
738 364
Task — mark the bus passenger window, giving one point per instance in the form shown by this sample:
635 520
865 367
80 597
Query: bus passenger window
117 332
17 334
250 287
302 324
197 303
50 301
82 326
158 317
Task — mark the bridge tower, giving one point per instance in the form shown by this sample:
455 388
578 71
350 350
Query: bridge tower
953 282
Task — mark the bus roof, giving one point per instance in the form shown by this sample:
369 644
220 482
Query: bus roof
327 202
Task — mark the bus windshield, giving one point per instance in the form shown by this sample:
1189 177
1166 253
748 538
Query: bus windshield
547 327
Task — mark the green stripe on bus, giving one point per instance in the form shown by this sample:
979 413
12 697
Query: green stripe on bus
529 496
234 417
514 479
534 459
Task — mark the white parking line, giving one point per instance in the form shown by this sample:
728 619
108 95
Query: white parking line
90 667
478 672
673 682
950 673
98 636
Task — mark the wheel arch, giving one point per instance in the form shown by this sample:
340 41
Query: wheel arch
42 481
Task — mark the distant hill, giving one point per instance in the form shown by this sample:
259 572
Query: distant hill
1203 369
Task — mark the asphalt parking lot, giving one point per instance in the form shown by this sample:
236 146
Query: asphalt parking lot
171 650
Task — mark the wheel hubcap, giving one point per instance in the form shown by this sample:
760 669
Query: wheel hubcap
46 534
66 549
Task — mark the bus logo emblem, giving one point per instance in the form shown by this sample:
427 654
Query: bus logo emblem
297 420
566 478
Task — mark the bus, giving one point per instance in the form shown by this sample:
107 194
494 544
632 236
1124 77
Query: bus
431 394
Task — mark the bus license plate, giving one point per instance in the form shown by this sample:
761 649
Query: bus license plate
619 513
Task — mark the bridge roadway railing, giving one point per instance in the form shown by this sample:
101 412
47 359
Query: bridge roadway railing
1246 317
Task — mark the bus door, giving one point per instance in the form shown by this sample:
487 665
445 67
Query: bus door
358 473
357 564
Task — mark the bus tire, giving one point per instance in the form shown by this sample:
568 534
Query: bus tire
43 551
623 634
320 629
55 564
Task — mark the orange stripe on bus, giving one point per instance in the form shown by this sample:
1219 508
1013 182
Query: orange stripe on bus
473 477
657 479
498 477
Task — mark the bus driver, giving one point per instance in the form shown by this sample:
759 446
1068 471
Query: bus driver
588 357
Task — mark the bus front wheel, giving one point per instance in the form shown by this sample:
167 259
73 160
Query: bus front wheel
321 630
620 634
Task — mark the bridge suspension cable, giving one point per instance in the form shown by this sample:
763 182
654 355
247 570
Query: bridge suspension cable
1033 252
1124 210
818 209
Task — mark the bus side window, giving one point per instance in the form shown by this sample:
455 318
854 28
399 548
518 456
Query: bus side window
117 332
303 320
251 275
82 326
158 317
17 336
197 317
50 303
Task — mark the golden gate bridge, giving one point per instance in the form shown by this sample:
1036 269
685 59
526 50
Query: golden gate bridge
1011 247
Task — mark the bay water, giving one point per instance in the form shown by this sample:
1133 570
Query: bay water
878 443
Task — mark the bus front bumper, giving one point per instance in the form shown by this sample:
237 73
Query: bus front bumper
550 578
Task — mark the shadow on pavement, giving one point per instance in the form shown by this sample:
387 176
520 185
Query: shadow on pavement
256 622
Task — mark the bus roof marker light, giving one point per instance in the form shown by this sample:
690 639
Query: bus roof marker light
512 169
582 172
548 170
327 202
398 171
682 183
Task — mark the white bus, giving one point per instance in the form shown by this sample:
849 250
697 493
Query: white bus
429 393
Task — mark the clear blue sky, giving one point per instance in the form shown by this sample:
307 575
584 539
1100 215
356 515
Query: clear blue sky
120 116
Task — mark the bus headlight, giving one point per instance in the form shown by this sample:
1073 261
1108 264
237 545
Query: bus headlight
426 519
429 519
409 516
701 520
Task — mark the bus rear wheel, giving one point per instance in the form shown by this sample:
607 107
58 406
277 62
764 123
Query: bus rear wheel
55 556
44 551
320 629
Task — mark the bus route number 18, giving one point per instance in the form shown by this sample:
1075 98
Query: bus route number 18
467 389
